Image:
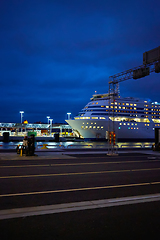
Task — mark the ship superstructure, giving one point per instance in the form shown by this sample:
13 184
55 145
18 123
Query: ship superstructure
131 118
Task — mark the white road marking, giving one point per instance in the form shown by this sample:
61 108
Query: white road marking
76 206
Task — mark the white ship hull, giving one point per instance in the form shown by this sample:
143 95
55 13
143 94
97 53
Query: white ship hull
129 118
129 131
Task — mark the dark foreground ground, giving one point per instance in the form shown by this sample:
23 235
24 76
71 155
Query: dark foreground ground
137 221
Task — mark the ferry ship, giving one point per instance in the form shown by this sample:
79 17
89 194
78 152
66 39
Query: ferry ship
132 119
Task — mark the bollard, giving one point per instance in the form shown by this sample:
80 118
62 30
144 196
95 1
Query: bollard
21 152
44 146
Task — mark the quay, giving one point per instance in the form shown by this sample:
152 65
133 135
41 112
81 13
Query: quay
42 131
60 152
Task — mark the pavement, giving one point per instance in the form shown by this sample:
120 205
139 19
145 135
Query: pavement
64 154
76 206
38 155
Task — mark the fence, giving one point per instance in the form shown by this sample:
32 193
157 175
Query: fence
80 146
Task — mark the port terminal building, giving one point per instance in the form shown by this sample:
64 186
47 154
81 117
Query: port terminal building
38 129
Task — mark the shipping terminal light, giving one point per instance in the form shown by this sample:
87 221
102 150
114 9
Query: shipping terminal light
21 112
50 125
69 114
48 118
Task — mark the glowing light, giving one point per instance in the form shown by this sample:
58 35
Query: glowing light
25 122
69 115
21 112
48 118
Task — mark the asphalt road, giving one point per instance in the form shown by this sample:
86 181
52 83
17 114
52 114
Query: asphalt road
31 183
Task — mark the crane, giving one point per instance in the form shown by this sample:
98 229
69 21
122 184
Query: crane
151 63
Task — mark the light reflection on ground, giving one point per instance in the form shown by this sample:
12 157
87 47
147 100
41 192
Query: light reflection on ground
89 144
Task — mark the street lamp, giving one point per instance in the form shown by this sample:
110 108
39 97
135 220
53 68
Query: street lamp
69 114
50 125
21 112
48 118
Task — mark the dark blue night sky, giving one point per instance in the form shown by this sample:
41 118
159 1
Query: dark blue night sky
54 54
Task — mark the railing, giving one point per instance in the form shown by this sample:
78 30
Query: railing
136 146
47 146
131 146
148 145
84 146
79 146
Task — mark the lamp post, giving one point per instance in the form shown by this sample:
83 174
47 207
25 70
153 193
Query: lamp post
21 112
48 118
50 125
69 115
